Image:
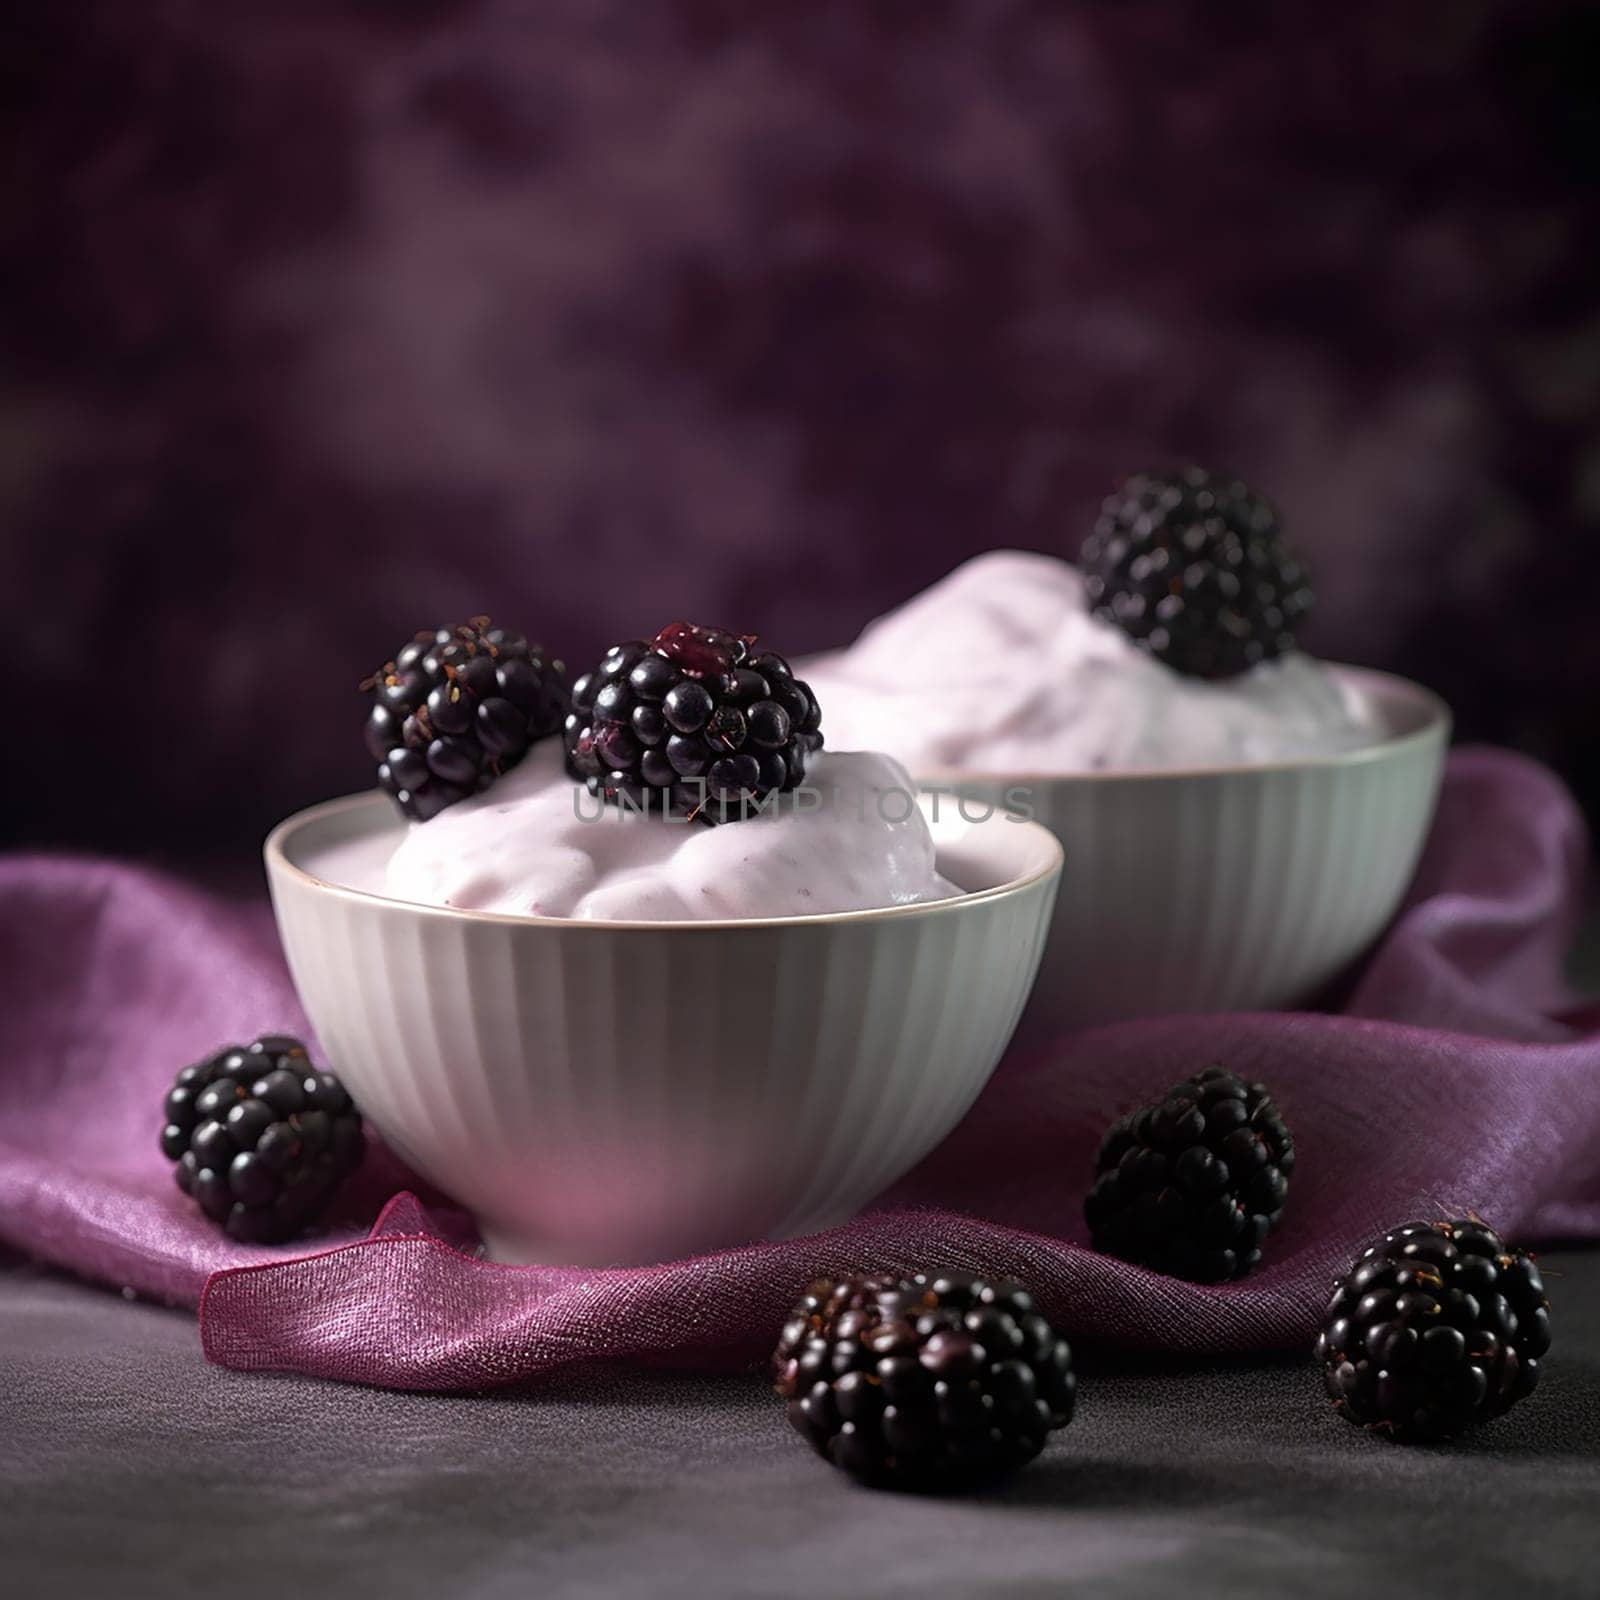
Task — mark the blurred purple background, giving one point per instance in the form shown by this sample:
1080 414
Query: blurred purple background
323 322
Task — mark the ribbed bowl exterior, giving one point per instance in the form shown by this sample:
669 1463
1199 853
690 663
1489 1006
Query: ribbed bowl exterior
1248 889
600 1094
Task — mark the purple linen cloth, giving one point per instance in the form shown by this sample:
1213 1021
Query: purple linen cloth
1456 1075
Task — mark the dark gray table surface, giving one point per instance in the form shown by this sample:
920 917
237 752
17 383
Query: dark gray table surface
130 1467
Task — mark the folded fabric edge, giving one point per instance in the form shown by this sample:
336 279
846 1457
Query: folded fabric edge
240 1327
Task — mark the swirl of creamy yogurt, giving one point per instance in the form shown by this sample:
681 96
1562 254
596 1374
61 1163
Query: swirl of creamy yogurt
1001 668
537 844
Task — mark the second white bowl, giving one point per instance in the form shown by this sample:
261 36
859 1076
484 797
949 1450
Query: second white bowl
1230 889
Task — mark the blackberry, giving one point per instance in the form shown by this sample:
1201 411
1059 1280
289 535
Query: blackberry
937 1379
1192 1185
261 1138
1192 567
693 723
1436 1327
455 709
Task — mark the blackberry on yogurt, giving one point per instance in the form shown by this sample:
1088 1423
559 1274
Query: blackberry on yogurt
1193 567
694 722
457 708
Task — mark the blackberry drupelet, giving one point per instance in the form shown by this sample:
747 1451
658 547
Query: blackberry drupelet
455 709
1192 1185
1438 1326
1191 565
691 723
939 1379
261 1138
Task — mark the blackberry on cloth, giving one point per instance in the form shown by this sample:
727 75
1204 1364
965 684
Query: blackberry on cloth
456 709
1437 1327
1192 1185
1193 567
694 722
261 1138
938 1379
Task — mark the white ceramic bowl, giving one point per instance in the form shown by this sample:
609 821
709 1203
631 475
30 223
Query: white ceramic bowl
1236 888
613 1093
